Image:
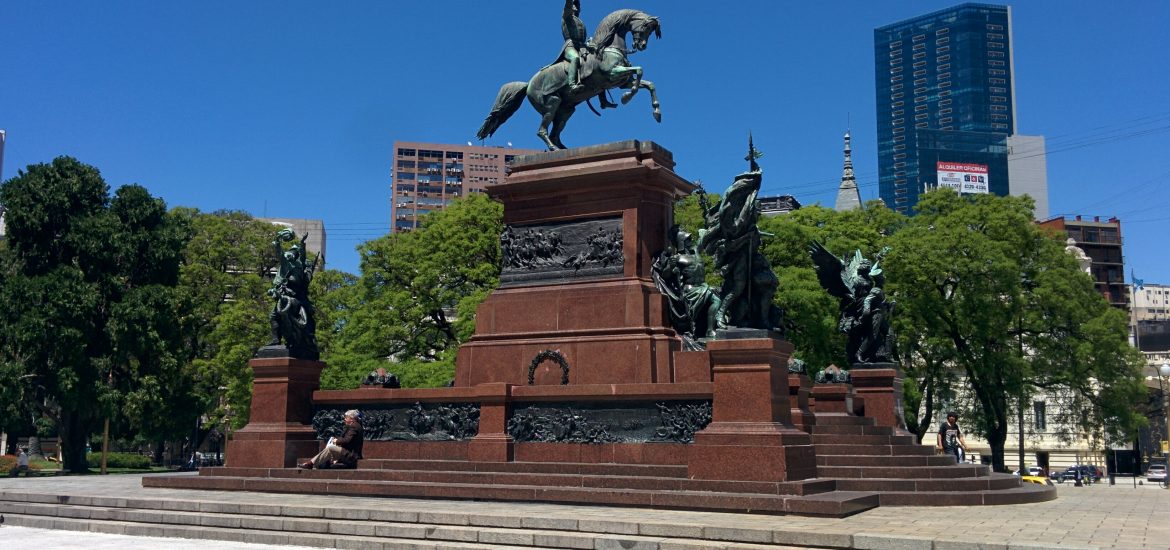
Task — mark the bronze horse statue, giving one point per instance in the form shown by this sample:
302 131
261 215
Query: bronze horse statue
549 90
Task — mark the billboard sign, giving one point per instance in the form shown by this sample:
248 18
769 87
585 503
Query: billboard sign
963 177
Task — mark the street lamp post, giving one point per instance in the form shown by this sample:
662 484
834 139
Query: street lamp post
1164 375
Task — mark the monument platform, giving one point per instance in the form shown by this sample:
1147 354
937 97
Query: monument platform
575 388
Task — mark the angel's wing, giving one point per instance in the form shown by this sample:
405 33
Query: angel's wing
830 270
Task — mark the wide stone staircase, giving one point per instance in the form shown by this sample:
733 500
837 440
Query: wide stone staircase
641 485
860 456
326 521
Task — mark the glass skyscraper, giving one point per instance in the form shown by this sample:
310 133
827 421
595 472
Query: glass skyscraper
945 103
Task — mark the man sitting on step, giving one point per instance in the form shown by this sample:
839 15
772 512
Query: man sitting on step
341 452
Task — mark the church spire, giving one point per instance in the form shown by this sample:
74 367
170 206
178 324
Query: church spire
848 198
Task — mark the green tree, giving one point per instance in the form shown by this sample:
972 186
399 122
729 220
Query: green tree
89 292
990 294
417 295
226 269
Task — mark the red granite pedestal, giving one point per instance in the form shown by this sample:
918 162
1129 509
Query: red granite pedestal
279 430
881 389
751 436
799 385
610 328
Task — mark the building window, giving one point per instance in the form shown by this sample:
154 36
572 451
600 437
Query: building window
922 116
943 49
920 99
992 27
919 37
899 156
405 152
895 44
1039 415
920 82
895 53
900 191
945 121
996 90
943 67
943 76
997 81
901 209
899 138
899 165
942 31
900 200
918 47
944 93
922 125
898 95
900 147
995 62
997 116
896 87
997 72
942 102
898 104
919 90
899 112
995 54
946 84
896 70
899 130
920 108
898 121
895 62
999 126
946 111
999 107
942 58
897 78
995 44
998 99
919 64
920 73
942 40
920 55
994 36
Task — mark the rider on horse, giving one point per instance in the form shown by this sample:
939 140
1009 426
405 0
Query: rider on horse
577 44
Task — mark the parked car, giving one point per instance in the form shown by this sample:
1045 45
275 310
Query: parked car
1039 480
1088 474
1156 472
1033 471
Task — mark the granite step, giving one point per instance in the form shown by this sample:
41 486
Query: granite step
842 419
854 439
832 504
592 468
845 449
802 487
996 482
885 460
903 472
852 429
1024 494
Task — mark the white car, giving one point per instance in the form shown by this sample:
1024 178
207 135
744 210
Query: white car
1156 472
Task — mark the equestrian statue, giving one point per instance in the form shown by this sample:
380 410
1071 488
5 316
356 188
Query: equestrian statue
586 68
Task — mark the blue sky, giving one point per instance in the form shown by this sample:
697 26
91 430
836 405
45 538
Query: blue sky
290 108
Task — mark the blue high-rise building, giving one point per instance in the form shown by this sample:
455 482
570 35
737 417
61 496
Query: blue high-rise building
945 103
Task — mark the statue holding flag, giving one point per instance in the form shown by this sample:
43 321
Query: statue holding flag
732 238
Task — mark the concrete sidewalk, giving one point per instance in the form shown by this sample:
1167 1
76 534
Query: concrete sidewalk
1098 516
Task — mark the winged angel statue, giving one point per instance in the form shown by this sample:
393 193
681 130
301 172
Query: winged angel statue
865 310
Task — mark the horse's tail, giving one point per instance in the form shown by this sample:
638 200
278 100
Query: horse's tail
510 98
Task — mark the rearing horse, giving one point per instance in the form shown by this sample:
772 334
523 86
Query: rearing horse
608 67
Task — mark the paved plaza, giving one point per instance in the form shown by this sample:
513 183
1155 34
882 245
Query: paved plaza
1098 516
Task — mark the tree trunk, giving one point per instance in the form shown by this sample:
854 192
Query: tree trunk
159 447
997 439
73 434
34 448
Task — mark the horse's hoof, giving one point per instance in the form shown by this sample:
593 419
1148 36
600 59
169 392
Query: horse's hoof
626 98
657 117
